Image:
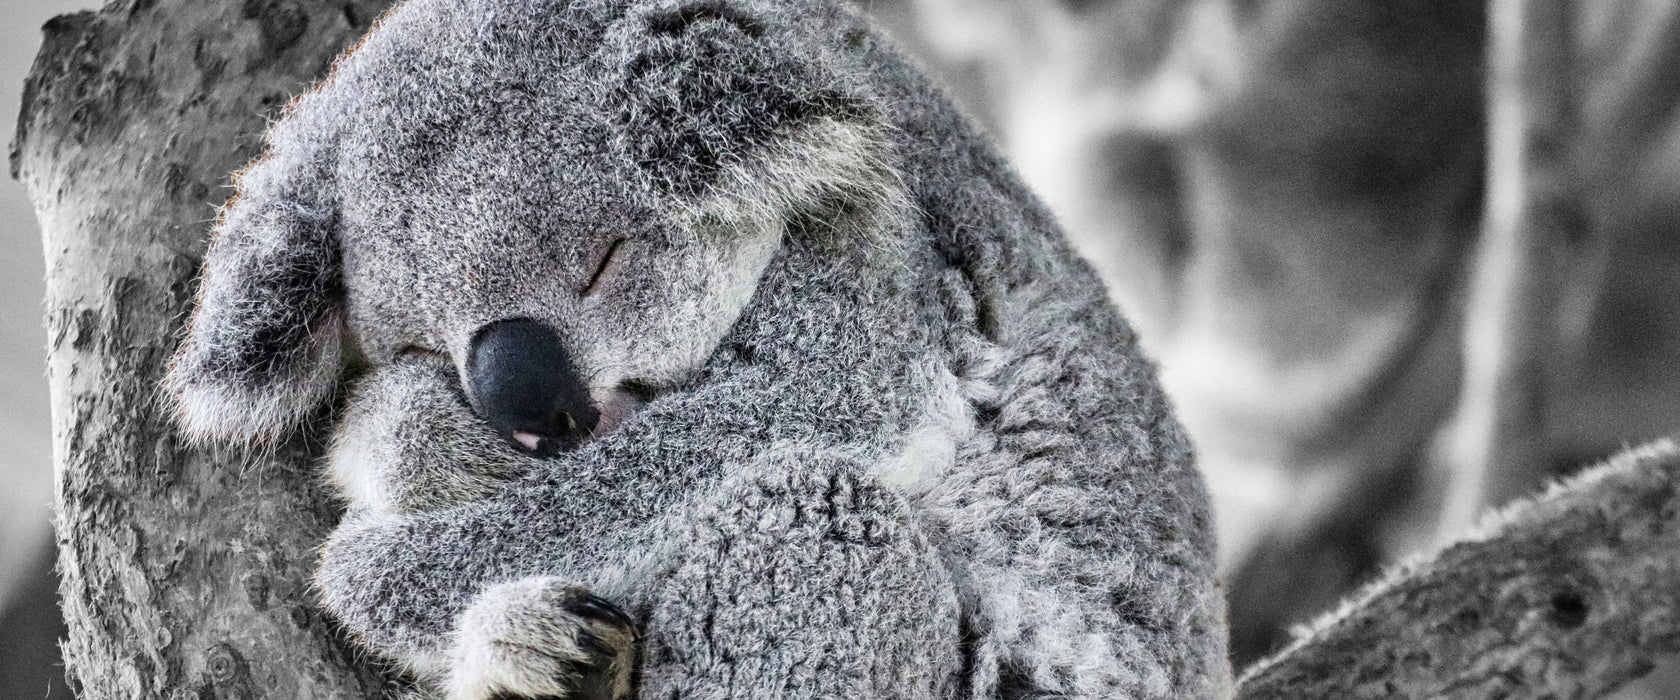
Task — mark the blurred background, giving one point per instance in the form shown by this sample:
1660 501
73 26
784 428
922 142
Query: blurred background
1398 260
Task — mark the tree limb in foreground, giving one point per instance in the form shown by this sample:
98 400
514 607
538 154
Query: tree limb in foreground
1566 595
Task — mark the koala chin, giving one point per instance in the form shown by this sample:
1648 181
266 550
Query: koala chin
698 349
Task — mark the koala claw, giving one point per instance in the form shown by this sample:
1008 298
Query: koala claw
540 639
593 607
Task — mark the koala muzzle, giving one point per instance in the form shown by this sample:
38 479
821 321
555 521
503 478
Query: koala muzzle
523 383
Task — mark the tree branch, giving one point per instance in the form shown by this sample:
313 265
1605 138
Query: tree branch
1567 595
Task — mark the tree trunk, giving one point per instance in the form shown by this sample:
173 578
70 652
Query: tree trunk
185 569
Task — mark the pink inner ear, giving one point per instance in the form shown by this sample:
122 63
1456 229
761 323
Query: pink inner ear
529 440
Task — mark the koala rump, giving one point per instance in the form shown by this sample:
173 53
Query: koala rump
698 349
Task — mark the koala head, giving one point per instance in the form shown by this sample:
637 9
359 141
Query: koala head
571 202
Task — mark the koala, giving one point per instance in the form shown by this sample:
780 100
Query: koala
698 349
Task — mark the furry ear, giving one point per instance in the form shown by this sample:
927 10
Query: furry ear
721 104
264 344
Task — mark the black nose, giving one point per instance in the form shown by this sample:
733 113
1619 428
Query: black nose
523 383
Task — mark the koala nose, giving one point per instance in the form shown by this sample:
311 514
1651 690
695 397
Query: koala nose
524 384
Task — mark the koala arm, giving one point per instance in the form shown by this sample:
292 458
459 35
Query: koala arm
403 443
399 575
609 516
798 575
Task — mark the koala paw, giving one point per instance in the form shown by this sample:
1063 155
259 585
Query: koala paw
541 638
408 442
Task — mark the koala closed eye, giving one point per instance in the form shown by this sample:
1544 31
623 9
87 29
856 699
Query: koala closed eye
609 263
415 351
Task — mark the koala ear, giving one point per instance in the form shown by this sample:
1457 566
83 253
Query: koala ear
723 102
263 348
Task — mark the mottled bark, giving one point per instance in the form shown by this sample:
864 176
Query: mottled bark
185 570
1568 595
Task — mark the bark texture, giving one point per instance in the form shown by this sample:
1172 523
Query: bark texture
1568 595
185 571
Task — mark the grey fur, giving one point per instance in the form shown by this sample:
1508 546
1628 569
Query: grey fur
903 447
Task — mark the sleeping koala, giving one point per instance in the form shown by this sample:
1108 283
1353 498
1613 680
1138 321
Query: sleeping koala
698 349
